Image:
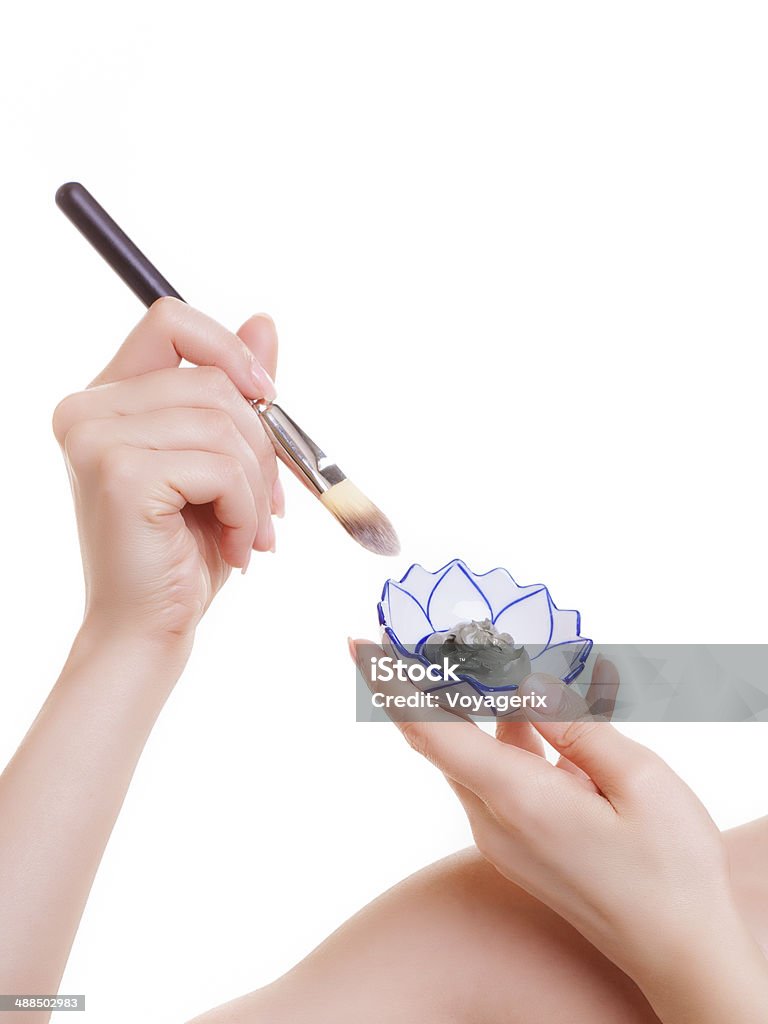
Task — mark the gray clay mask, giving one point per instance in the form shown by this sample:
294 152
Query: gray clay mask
480 651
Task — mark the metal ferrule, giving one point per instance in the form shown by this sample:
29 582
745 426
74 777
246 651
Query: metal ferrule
298 451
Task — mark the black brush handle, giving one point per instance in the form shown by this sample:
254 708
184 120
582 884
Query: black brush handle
111 242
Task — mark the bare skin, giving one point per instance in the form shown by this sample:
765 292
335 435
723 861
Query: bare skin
174 484
459 944
612 841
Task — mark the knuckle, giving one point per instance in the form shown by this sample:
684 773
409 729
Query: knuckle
235 472
82 442
164 311
120 467
64 415
218 423
576 736
217 383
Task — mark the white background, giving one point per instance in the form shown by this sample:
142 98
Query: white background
517 256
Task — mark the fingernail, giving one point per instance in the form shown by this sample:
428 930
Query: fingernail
263 382
272 537
547 687
357 655
278 499
247 562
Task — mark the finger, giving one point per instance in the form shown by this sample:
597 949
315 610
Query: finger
519 732
601 700
581 776
175 479
461 750
603 688
260 335
551 698
364 653
595 747
201 479
171 331
175 429
203 387
601 696
278 499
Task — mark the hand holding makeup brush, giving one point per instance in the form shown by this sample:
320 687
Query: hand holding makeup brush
319 473
174 481
174 478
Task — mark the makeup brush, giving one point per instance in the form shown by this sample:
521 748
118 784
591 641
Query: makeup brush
357 514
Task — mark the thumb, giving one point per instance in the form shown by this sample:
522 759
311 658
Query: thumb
260 335
589 742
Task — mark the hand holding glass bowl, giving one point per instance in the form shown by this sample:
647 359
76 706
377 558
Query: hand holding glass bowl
608 836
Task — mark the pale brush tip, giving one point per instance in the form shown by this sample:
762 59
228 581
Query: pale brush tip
360 518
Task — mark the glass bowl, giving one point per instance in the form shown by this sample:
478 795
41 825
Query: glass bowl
423 603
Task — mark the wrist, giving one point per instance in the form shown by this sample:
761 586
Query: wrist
710 971
118 649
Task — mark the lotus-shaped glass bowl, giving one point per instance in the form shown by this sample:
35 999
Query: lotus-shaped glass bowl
423 603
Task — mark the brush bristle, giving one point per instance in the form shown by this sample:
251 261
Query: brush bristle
360 518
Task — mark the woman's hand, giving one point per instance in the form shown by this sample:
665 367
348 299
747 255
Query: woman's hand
174 482
610 838
173 476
